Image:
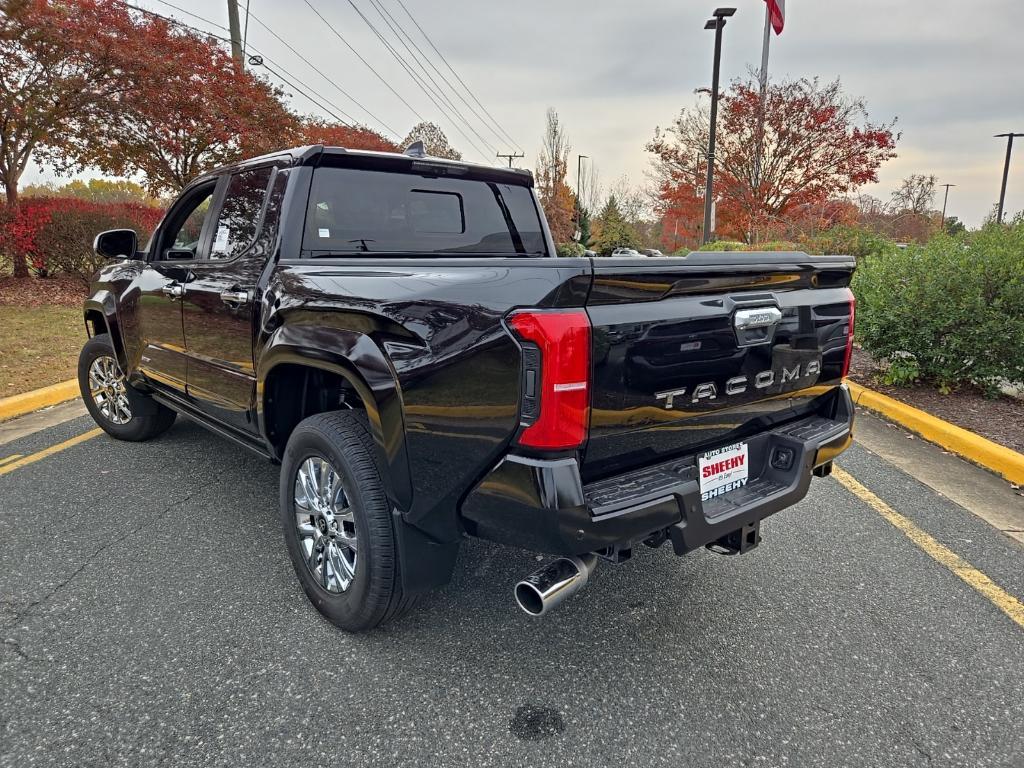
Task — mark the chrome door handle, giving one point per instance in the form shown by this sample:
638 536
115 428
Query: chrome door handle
175 291
234 297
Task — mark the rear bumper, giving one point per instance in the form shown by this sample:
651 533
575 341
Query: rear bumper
542 504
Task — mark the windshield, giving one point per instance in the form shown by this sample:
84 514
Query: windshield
355 211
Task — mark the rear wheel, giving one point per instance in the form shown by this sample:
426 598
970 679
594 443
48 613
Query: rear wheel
337 522
122 411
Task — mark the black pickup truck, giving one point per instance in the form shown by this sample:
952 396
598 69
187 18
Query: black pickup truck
396 331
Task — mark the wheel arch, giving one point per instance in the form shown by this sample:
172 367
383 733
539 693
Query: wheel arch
100 316
311 369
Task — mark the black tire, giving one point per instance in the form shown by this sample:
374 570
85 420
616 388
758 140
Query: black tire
374 595
146 417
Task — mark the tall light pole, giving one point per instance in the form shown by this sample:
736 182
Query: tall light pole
1006 171
945 199
763 79
579 193
717 24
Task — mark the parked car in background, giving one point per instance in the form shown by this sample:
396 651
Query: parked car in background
651 252
626 252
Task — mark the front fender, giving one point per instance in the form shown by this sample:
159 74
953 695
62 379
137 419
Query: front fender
104 302
357 358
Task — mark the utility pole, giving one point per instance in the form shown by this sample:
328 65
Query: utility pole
511 157
717 24
579 193
236 35
945 199
1006 171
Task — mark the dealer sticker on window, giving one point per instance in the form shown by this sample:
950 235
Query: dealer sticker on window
722 470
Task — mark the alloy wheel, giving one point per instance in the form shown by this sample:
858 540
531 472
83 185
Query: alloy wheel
325 524
108 390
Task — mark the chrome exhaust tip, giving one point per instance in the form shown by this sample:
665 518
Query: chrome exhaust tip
547 588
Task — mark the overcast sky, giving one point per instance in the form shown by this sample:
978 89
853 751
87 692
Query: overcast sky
951 71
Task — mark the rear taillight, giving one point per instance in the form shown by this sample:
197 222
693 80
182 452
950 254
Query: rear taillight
849 337
556 377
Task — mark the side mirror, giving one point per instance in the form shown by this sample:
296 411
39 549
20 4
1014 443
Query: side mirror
116 244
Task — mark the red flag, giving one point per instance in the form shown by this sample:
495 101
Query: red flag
777 9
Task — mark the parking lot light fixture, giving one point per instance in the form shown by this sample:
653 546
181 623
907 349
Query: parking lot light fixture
1006 170
717 23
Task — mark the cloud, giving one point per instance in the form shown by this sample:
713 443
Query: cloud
950 70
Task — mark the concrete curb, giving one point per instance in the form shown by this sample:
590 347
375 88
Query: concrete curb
19 405
992 456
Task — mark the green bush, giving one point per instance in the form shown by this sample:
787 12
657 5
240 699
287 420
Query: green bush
950 312
776 245
847 240
569 249
724 245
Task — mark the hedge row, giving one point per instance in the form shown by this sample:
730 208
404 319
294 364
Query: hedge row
55 234
843 239
950 312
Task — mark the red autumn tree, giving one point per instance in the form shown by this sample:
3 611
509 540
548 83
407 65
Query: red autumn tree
681 211
817 144
315 130
188 110
60 64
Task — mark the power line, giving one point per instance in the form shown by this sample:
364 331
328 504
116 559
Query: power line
187 13
400 33
381 9
292 49
310 98
416 78
338 35
283 77
435 90
456 74
312 66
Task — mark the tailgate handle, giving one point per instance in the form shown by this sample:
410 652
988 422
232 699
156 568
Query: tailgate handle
756 325
759 317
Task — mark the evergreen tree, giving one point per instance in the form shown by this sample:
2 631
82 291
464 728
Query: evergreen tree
613 230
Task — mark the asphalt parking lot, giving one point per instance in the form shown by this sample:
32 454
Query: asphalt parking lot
151 617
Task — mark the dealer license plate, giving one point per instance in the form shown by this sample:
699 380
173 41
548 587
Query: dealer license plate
722 470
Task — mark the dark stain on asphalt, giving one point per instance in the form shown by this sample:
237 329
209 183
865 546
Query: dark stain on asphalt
535 723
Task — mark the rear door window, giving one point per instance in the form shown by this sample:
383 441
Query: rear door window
240 213
356 211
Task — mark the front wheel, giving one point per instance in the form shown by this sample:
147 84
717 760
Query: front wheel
122 411
337 522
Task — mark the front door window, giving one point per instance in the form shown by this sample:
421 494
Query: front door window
184 232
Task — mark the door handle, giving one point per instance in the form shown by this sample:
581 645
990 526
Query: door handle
235 298
174 290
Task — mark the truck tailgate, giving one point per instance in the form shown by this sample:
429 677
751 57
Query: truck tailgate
691 353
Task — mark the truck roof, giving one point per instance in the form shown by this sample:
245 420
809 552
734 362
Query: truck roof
318 154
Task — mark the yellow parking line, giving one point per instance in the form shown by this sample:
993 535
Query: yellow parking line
9 459
974 578
32 458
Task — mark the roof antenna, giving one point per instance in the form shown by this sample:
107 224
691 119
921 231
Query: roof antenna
416 149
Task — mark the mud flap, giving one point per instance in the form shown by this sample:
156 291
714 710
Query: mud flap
423 562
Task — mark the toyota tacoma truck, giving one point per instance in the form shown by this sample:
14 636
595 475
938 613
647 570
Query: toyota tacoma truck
396 332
